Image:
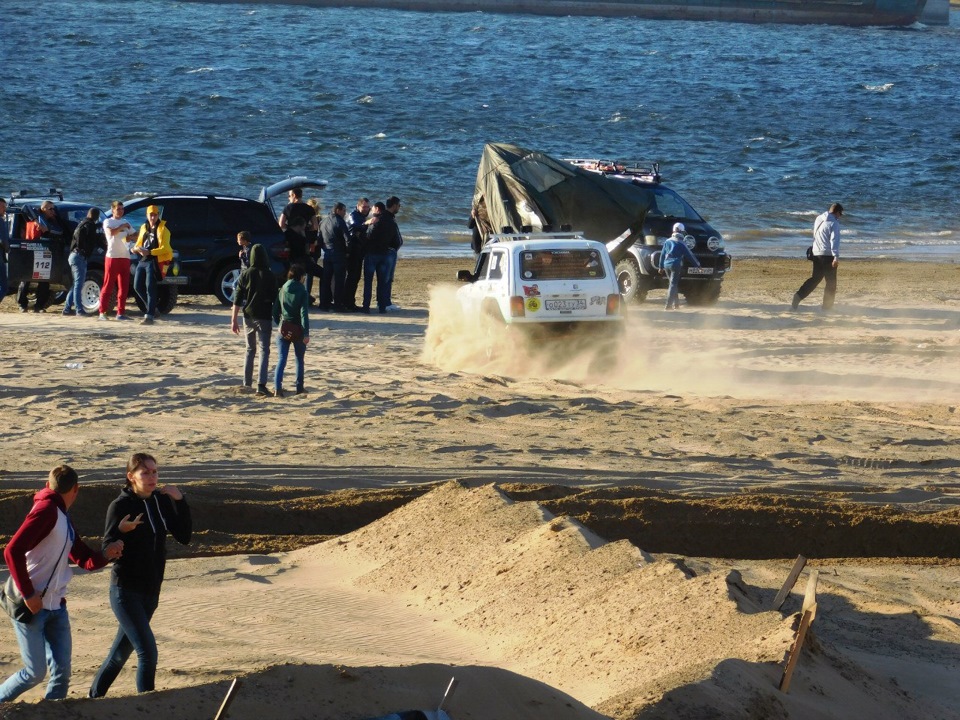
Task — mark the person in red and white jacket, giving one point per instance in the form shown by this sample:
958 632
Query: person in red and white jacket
38 556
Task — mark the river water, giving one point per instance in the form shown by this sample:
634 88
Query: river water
760 127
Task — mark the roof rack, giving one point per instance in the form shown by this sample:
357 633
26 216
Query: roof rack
51 193
546 235
645 171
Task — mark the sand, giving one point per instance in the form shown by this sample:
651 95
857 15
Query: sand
570 536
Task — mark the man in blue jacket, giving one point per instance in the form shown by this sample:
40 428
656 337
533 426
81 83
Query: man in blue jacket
674 252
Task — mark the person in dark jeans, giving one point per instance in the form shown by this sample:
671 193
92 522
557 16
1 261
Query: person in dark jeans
153 247
356 223
333 236
826 257
141 516
4 248
86 239
381 235
255 293
52 229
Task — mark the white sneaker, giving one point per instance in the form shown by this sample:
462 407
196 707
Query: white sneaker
392 308
102 316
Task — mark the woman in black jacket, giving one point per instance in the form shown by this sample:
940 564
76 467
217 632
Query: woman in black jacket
141 516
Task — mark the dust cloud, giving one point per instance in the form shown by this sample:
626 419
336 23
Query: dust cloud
742 350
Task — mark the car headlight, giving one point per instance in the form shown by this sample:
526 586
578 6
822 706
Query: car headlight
690 241
714 243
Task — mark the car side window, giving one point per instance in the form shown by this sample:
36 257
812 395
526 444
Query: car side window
237 215
480 272
498 261
186 217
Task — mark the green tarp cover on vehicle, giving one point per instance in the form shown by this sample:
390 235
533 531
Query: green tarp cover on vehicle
517 187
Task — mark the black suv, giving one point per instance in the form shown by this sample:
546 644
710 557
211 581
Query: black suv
44 260
637 273
203 230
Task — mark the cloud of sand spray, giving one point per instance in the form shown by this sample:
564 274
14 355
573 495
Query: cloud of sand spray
457 343
742 351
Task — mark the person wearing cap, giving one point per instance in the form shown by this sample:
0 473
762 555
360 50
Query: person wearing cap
116 265
51 228
672 257
825 255
153 247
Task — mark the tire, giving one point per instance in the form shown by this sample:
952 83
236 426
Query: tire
90 290
225 283
704 295
633 284
166 299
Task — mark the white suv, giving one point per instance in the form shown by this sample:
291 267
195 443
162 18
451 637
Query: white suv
543 282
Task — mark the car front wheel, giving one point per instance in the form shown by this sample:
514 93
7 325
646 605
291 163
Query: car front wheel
225 284
633 285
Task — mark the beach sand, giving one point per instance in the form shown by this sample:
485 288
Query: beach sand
570 536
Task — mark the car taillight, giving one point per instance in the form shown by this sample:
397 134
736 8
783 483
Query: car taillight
280 251
516 306
613 304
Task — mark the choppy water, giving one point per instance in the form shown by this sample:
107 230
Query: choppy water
760 127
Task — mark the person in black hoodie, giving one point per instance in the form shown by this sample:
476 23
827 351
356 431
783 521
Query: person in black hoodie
141 516
86 240
256 290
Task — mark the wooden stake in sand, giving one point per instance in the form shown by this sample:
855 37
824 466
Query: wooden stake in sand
451 688
794 653
809 613
234 687
790 582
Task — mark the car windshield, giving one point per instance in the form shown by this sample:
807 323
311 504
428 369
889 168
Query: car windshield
581 264
668 204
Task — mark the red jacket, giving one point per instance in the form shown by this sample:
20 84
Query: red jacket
39 523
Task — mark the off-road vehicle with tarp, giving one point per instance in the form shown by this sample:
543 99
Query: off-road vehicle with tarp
624 205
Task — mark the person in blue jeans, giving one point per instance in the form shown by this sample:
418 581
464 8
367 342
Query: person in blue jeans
382 234
672 257
86 239
49 536
141 516
153 247
291 306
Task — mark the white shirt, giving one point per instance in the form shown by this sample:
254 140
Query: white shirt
117 241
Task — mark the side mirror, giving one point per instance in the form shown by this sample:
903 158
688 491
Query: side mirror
464 276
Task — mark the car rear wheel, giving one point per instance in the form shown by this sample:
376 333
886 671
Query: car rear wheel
166 299
90 290
632 283
225 284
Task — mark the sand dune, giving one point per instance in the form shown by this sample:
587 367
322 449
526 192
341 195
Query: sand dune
716 431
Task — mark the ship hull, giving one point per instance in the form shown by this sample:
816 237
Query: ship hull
828 12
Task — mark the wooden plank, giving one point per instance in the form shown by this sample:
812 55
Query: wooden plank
234 687
810 596
794 653
451 688
790 582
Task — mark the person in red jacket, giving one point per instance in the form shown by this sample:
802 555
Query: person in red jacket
38 555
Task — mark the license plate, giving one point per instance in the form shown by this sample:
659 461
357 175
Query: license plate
578 304
699 271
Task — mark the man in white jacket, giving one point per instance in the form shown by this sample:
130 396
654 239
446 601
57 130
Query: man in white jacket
38 556
826 257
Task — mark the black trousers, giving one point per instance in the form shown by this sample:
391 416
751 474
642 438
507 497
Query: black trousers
823 269
42 298
354 274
